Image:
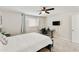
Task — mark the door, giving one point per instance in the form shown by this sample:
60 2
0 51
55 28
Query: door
75 28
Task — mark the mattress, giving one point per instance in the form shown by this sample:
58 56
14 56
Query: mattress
30 42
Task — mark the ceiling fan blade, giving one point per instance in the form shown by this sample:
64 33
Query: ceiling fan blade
47 12
49 9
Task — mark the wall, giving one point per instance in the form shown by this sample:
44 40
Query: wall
64 30
11 22
42 22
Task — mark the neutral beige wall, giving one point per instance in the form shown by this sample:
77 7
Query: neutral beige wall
64 30
42 22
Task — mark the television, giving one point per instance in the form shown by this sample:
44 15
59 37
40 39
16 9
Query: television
56 23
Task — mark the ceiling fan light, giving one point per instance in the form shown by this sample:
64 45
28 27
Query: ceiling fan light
43 13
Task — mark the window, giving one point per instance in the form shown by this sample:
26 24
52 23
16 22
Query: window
33 22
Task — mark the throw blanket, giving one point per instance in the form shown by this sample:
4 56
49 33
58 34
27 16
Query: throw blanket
3 39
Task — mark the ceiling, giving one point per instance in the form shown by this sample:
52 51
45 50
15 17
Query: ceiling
34 10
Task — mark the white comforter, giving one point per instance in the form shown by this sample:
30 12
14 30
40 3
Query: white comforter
30 42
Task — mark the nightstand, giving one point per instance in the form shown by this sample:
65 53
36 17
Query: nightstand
49 33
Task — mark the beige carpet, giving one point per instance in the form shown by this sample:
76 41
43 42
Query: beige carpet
61 45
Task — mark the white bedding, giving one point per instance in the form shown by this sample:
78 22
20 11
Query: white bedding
30 42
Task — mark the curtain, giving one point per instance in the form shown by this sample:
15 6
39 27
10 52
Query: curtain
32 23
23 23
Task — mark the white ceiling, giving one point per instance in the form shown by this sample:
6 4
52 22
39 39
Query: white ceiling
34 10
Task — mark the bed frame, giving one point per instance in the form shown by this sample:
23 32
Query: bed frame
48 47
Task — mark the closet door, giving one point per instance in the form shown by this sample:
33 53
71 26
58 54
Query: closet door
75 28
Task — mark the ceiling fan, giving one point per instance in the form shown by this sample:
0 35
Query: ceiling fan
45 10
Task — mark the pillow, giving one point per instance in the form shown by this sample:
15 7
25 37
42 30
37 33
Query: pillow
3 39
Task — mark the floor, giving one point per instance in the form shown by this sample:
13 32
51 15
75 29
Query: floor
61 45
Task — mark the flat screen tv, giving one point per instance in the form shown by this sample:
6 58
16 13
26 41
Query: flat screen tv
56 23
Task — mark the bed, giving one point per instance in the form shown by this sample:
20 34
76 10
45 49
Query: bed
31 42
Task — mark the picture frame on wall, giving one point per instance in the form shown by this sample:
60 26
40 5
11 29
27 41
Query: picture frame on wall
56 23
